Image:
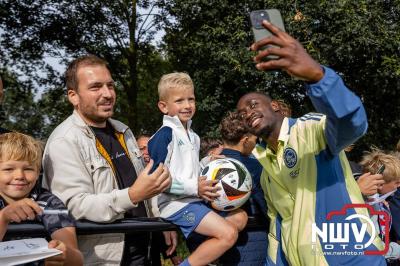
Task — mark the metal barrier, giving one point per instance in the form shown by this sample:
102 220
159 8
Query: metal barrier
32 229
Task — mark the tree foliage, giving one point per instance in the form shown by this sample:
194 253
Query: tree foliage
114 30
209 40
359 39
19 102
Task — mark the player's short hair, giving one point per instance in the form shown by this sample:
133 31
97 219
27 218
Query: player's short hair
20 147
71 77
232 128
172 81
262 94
375 158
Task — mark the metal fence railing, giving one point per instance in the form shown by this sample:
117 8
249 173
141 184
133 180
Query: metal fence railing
33 229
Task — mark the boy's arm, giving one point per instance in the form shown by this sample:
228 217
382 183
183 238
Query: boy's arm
160 149
65 240
18 211
158 146
346 118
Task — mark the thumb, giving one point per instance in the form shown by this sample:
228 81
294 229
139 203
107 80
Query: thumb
148 167
53 244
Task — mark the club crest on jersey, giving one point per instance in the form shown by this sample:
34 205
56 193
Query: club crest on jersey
290 157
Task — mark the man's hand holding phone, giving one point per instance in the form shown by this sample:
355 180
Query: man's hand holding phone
291 56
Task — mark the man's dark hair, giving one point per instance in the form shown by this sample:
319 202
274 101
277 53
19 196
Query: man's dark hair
71 78
264 94
232 128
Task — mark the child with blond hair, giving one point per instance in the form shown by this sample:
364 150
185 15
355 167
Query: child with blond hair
372 162
22 199
177 146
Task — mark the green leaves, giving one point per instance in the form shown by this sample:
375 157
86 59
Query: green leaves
360 40
209 40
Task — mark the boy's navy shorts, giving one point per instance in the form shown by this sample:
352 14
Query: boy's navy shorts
190 216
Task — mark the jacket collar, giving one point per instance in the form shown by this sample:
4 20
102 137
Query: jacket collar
78 121
173 121
261 148
284 132
287 124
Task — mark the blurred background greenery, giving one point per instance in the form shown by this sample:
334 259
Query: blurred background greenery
142 40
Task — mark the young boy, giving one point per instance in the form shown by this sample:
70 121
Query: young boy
371 162
177 146
22 199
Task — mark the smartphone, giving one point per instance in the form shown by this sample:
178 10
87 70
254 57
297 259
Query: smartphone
259 32
381 169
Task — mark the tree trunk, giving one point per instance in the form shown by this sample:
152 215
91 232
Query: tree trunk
132 88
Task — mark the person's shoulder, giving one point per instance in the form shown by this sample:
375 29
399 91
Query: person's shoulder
164 132
162 137
45 195
118 125
309 122
51 200
311 117
67 129
51 222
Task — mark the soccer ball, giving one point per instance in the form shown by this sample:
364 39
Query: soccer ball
234 180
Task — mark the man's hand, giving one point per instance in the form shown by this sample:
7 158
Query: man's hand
293 58
369 184
207 189
60 258
148 185
171 239
21 210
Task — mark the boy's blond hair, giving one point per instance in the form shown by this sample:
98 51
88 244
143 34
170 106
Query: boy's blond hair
374 159
20 147
171 81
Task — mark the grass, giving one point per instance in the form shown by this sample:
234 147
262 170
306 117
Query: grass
181 250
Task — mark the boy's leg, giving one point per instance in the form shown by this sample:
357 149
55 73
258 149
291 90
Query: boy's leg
238 218
223 235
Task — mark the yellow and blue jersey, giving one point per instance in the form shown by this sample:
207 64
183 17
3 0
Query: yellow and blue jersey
308 176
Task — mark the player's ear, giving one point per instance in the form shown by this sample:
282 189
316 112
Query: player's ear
275 106
163 107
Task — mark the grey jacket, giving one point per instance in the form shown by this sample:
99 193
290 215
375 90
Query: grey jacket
77 173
